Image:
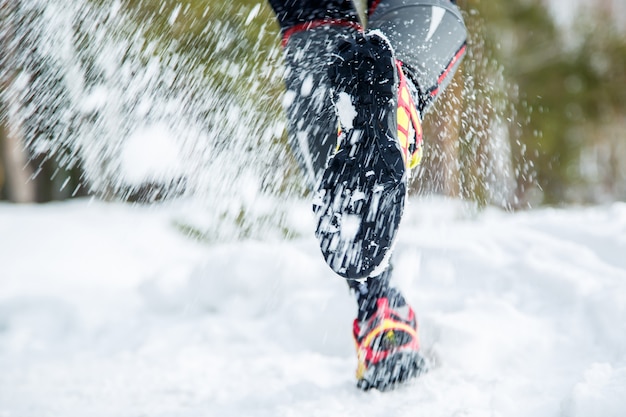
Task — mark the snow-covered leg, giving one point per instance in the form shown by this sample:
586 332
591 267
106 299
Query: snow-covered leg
312 122
310 31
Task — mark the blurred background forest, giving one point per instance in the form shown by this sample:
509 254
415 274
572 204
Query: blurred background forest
536 115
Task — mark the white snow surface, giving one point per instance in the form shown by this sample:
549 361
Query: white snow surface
108 309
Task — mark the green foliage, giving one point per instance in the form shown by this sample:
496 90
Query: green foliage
231 41
569 86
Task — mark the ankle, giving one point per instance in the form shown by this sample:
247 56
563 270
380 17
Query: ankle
369 291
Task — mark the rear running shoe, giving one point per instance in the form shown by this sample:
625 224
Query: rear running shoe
387 347
361 195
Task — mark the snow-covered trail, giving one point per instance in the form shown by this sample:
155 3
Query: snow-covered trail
108 310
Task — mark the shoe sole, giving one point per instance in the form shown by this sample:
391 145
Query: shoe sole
361 195
393 371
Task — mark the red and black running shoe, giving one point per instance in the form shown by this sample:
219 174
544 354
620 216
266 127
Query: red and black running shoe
387 345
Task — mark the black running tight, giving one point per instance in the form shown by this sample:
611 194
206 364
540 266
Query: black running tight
291 13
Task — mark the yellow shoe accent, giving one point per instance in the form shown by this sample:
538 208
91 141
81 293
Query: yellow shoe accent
409 124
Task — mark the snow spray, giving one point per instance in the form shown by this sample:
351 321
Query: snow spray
120 92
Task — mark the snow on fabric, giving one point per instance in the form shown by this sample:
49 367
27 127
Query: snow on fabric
109 310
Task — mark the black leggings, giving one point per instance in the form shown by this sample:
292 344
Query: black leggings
291 13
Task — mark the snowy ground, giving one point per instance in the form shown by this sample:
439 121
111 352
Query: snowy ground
108 310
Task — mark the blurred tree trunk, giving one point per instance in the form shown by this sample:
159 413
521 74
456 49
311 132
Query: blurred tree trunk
14 159
451 137
18 185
